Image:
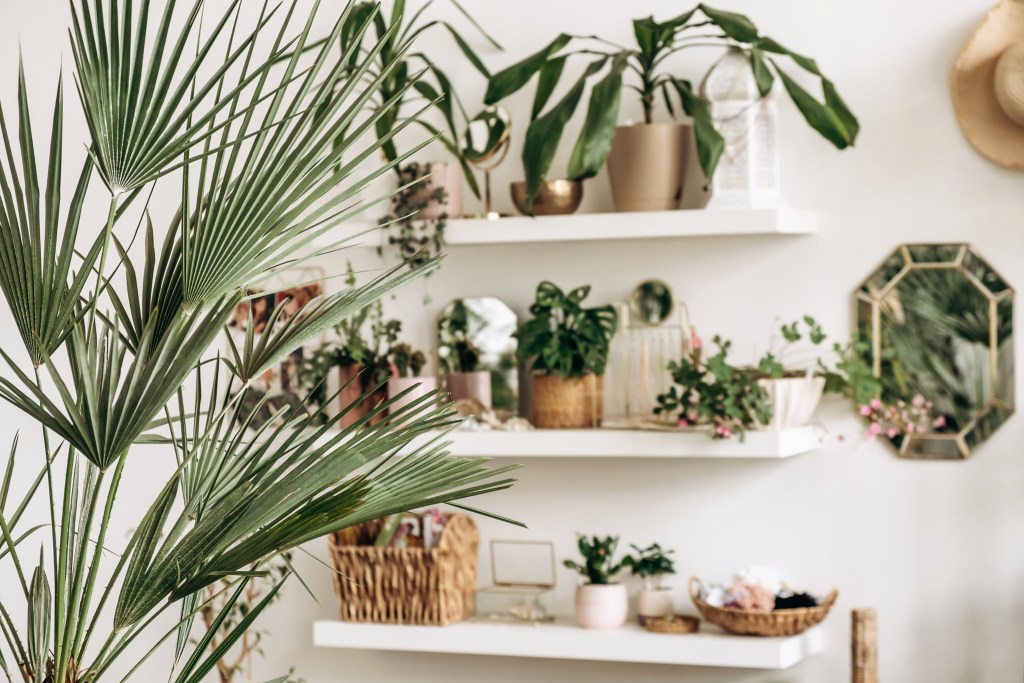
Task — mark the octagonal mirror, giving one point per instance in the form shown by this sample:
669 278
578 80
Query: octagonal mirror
939 320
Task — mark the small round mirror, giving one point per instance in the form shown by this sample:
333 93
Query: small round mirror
652 302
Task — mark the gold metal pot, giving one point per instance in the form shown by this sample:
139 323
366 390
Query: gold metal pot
556 197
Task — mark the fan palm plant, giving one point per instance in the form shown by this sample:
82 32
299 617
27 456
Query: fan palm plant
242 125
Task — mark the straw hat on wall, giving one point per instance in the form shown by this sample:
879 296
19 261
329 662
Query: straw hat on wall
988 85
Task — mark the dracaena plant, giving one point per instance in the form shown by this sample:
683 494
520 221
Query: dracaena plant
646 70
117 344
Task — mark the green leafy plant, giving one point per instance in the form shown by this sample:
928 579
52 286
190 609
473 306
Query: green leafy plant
842 365
650 563
120 346
363 339
417 239
563 338
412 74
711 391
647 61
457 351
599 564
407 361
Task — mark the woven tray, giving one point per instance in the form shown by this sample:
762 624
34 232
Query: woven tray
786 622
432 586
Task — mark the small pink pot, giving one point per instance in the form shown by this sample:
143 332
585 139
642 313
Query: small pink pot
449 176
420 387
601 606
470 385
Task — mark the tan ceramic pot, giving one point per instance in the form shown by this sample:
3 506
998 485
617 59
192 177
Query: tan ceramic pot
647 165
474 386
442 174
556 197
417 387
351 392
573 403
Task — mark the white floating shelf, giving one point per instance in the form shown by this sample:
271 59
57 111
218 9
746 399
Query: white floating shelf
622 443
614 226
633 225
564 640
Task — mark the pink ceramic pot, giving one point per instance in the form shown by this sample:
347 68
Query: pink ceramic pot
420 386
601 606
449 176
470 385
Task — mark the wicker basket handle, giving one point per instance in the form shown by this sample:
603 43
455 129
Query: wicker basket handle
695 586
830 599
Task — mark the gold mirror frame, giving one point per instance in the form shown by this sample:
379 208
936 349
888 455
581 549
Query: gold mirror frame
878 296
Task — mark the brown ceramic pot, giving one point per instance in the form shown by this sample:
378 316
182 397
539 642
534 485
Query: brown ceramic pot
647 165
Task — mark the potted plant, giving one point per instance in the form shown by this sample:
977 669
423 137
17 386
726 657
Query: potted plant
433 189
796 377
360 353
460 357
419 214
407 365
600 603
568 348
652 564
712 393
646 160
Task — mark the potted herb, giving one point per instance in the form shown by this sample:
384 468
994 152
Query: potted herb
600 603
407 366
646 160
710 392
798 373
360 353
568 348
460 357
652 564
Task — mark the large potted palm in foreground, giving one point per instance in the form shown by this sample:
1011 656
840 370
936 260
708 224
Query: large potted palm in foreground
117 351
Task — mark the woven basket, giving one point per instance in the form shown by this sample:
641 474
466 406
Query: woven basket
573 403
431 586
786 622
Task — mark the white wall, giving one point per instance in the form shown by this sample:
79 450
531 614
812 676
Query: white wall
932 545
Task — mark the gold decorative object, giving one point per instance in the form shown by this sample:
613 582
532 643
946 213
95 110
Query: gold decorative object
940 324
556 197
652 302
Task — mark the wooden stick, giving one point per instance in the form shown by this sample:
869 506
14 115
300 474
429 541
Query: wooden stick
864 645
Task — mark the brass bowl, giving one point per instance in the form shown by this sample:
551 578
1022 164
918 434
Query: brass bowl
556 197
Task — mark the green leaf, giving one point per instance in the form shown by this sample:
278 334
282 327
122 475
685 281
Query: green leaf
595 140
39 621
550 74
762 74
511 79
820 117
545 133
736 26
710 143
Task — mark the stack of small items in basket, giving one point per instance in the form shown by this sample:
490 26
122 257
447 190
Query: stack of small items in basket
758 589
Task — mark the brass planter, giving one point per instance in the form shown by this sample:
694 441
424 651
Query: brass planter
556 197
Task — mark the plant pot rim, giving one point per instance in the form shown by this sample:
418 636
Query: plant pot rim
610 584
686 123
541 373
657 589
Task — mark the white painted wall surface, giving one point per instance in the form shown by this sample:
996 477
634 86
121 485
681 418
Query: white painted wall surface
933 546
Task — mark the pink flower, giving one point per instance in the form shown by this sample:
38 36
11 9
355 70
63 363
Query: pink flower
683 422
865 410
874 429
876 404
910 428
726 432
692 417
940 421
917 401
892 433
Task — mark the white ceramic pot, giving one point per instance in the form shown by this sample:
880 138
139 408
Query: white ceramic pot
793 399
655 602
419 385
601 606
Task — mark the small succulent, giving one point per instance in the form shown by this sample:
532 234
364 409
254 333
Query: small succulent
650 562
407 361
599 559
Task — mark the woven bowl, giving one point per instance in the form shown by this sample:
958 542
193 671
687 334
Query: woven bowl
680 623
786 622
